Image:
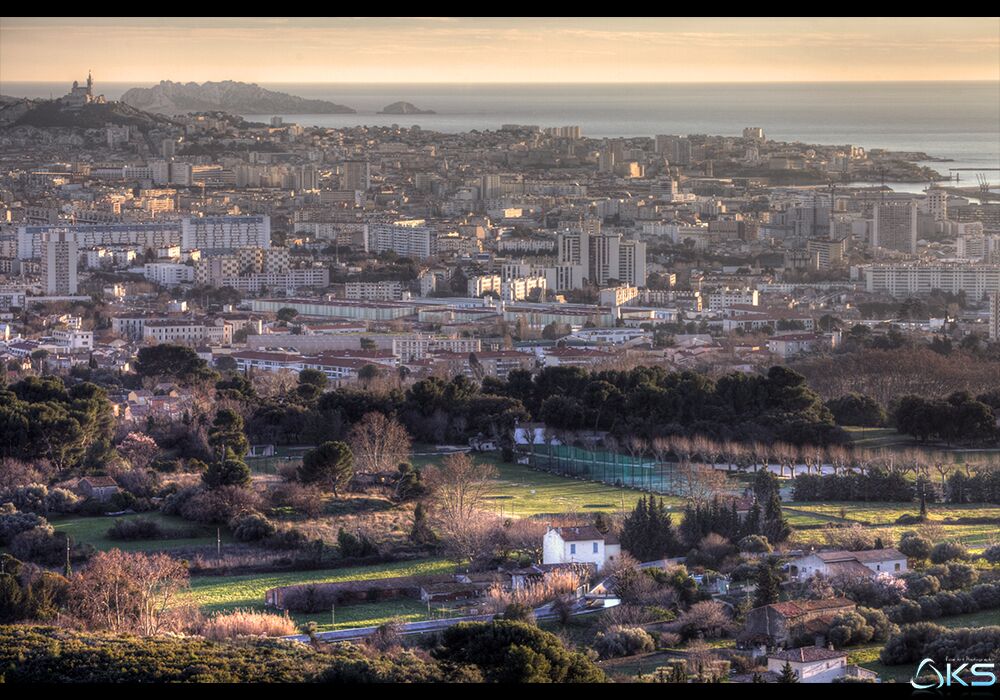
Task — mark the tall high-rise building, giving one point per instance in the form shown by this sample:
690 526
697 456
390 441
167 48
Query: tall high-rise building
601 257
676 149
408 239
357 175
895 226
221 234
937 203
490 187
995 316
59 263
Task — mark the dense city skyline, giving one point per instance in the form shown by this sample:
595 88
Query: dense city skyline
448 350
533 50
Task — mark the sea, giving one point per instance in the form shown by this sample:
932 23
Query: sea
957 121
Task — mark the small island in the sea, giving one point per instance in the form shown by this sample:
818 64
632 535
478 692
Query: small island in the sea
405 108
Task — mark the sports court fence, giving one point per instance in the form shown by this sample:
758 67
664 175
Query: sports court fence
607 467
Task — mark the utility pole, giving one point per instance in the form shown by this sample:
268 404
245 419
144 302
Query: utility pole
333 614
218 541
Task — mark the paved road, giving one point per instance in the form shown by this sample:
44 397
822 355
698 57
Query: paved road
353 633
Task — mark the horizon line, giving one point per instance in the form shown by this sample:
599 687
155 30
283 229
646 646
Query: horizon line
539 82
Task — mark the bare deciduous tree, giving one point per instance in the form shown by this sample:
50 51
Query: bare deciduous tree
458 489
128 591
379 444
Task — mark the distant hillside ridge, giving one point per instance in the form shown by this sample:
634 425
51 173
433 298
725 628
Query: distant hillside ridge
230 96
57 114
405 108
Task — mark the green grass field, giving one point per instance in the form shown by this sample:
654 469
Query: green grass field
887 513
882 517
522 491
215 593
93 530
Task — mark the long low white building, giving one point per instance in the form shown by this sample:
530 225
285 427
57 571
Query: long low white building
905 279
339 308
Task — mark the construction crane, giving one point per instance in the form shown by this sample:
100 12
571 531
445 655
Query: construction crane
984 184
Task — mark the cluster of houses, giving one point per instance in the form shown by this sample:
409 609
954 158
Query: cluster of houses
769 630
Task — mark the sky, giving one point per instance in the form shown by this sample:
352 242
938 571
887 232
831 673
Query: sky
502 50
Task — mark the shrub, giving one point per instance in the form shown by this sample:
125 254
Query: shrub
355 546
135 529
992 554
879 591
388 635
921 584
849 628
13 522
915 546
623 641
219 505
94 507
53 655
292 538
948 551
985 596
247 623
32 498
173 503
141 484
40 545
670 640
519 612
306 500
755 544
63 501
927 640
513 652
954 576
251 527
709 619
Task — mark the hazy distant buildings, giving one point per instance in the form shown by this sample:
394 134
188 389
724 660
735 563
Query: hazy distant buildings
995 316
144 235
221 234
59 263
895 226
907 279
604 259
408 239
357 175
676 149
826 253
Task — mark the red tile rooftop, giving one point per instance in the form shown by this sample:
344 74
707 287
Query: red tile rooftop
794 608
807 654
796 336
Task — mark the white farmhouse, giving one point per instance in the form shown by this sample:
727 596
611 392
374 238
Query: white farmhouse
810 664
586 544
868 562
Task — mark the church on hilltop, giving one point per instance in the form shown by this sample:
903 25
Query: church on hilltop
79 96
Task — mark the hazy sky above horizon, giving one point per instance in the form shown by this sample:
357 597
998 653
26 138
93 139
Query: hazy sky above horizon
400 50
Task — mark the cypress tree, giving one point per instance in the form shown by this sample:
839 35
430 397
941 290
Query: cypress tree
787 674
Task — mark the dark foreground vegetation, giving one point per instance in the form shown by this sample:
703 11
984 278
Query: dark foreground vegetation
501 651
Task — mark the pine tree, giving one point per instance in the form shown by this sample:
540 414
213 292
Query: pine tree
768 584
787 674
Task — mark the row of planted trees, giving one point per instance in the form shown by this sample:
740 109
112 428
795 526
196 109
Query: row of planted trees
794 460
